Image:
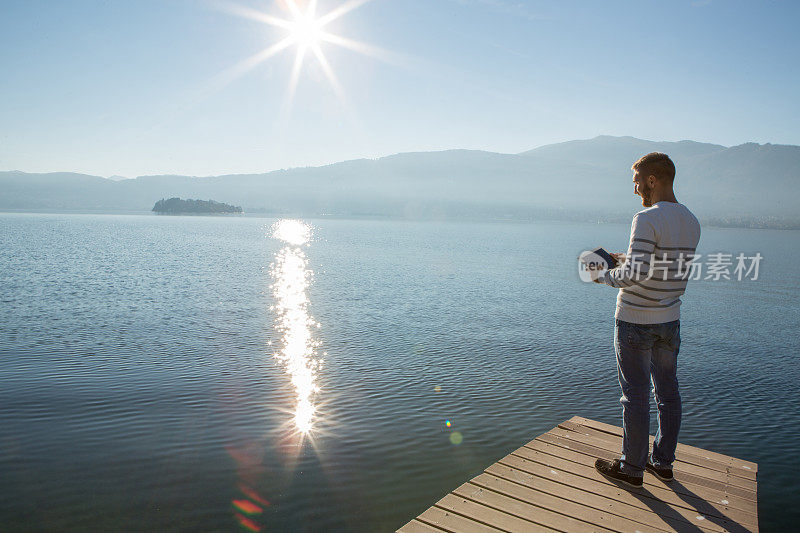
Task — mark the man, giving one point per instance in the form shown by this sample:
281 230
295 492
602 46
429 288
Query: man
651 280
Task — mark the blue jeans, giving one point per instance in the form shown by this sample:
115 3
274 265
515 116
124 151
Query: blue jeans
648 352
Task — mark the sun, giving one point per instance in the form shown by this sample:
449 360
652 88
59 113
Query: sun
304 30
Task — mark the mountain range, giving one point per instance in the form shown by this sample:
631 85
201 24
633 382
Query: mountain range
747 185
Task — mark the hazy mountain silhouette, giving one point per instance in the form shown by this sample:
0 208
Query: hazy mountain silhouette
586 179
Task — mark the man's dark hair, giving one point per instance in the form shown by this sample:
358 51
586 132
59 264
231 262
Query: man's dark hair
656 164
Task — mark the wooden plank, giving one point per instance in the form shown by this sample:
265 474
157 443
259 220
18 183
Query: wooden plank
487 515
732 461
604 497
643 498
714 478
683 462
700 452
522 509
666 518
698 500
682 456
682 487
681 477
416 526
452 522
661 513
551 484
683 473
558 502
690 507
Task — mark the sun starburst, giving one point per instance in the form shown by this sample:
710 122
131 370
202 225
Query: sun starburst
304 30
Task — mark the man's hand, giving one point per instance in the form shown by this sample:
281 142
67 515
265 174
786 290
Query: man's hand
620 257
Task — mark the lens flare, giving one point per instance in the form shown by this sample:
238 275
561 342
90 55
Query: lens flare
247 523
304 29
298 349
247 507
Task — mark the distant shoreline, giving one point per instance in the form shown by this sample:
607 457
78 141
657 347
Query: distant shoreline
581 180
255 213
190 214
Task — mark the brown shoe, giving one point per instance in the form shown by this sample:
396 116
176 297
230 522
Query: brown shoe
613 471
664 474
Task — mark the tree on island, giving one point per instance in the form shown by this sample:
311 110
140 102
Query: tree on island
176 205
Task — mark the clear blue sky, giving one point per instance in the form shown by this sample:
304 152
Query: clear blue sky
133 87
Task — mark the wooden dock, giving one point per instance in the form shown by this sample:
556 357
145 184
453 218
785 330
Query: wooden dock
550 484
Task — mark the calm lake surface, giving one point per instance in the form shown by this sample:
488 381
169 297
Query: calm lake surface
155 370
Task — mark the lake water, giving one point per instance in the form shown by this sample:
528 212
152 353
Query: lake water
156 370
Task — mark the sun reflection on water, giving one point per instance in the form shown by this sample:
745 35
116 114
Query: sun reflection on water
297 349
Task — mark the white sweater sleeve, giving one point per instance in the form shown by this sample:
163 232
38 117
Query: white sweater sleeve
640 250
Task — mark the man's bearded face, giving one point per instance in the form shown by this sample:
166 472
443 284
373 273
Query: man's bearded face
643 189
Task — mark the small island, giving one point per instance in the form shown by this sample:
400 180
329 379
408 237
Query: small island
176 206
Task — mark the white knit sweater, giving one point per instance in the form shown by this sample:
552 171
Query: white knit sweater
664 238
